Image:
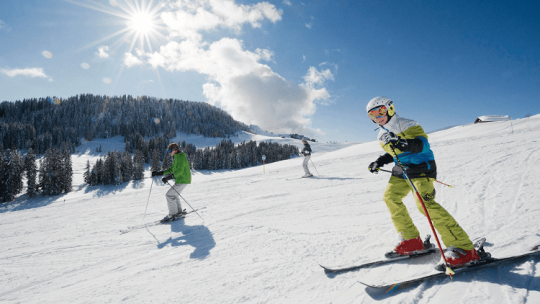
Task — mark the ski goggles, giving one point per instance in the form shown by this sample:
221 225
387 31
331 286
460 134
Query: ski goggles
377 112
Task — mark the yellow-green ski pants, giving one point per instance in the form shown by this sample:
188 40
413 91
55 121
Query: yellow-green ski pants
397 189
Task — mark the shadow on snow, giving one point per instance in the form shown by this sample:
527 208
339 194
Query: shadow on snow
197 236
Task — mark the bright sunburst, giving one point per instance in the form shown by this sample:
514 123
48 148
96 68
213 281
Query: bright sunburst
142 23
141 18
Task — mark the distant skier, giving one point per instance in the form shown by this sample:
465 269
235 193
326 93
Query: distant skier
306 151
180 172
411 145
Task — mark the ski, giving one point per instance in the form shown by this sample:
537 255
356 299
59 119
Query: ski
485 261
390 257
156 223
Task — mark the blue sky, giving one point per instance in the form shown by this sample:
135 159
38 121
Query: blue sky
288 66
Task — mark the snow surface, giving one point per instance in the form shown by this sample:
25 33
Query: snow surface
264 233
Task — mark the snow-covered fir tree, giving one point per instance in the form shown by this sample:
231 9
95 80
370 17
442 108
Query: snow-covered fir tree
126 166
156 160
51 179
138 165
12 175
30 167
67 171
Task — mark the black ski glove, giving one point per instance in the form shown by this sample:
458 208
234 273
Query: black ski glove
157 173
396 141
167 178
374 167
400 143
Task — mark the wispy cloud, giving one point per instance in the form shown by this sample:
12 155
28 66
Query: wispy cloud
85 65
47 54
107 80
28 72
265 55
102 51
4 27
310 24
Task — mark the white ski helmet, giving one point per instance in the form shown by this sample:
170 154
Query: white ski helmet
381 101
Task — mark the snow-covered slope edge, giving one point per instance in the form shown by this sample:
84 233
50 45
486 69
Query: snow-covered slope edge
264 234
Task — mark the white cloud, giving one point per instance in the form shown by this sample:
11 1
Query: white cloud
249 90
192 17
287 2
102 51
130 60
107 80
29 72
238 81
47 54
85 65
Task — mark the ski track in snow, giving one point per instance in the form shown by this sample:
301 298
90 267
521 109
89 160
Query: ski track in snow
264 234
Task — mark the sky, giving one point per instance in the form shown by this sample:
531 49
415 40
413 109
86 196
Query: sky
306 67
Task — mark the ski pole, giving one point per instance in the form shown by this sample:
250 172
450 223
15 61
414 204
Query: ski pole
148 199
185 201
314 167
448 269
449 186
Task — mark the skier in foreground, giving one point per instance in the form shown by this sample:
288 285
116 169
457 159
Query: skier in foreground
180 172
306 151
411 145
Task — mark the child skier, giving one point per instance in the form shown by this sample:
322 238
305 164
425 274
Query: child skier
411 146
181 173
306 151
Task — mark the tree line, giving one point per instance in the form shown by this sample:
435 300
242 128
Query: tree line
116 168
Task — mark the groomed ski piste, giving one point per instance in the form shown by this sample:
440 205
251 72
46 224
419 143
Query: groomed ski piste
264 234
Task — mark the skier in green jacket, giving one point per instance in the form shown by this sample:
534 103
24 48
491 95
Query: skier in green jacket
410 144
180 172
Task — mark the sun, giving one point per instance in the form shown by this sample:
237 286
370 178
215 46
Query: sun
142 23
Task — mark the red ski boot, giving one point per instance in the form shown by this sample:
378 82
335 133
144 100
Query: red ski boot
407 247
457 258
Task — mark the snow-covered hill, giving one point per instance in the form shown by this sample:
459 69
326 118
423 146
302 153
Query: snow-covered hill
264 233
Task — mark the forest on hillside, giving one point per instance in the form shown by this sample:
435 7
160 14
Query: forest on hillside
42 123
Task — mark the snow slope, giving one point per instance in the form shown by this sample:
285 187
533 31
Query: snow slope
264 234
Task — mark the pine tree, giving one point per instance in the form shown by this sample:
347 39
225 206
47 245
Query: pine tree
31 172
156 160
67 171
15 169
127 166
87 173
4 175
138 165
51 172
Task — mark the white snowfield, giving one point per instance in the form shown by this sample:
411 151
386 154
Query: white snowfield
264 234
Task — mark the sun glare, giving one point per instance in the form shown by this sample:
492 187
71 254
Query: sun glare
142 23
141 17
